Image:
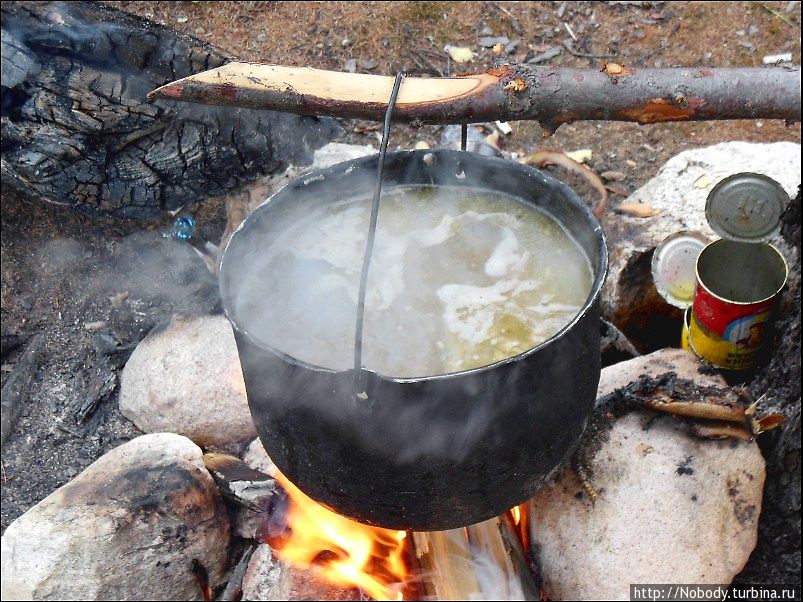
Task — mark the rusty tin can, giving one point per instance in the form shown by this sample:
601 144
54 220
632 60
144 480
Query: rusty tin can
740 277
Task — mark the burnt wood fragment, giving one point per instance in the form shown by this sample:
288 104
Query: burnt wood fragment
77 128
241 484
17 386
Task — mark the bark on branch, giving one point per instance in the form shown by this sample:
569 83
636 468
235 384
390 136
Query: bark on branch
551 96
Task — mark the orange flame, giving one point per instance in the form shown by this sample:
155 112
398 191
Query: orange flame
516 512
344 552
521 520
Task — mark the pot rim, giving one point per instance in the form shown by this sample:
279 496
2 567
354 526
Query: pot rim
345 167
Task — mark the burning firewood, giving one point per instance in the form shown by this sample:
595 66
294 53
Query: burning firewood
484 560
706 412
715 412
234 587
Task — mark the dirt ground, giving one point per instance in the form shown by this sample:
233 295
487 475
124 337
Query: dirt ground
95 286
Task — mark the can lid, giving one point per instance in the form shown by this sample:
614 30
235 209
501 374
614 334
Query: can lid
674 267
746 207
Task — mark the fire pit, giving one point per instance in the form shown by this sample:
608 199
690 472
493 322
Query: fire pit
433 452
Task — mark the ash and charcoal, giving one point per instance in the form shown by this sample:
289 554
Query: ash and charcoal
81 294
68 411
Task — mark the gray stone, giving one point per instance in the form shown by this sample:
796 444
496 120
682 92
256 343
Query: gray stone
629 299
491 41
127 528
186 379
257 458
266 577
337 152
671 508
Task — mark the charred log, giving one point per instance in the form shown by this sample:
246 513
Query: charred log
551 96
17 386
77 128
776 558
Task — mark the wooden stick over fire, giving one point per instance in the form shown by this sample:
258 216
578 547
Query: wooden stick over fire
508 92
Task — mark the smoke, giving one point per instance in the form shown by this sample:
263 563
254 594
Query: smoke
130 283
494 583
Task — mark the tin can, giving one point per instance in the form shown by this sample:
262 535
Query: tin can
684 334
738 286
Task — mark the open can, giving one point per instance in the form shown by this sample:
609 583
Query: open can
738 287
739 278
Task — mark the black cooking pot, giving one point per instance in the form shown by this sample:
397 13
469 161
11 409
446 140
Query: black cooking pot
435 452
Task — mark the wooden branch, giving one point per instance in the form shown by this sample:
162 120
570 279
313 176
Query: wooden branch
551 96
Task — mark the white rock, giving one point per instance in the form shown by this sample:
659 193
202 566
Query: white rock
187 379
257 458
683 363
127 528
629 299
337 152
671 508
266 578
683 206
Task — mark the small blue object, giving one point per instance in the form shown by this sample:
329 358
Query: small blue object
182 228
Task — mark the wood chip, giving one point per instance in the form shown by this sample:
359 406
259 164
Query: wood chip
581 156
616 70
503 127
702 182
637 209
515 85
617 176
459 54
617 189
118 299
